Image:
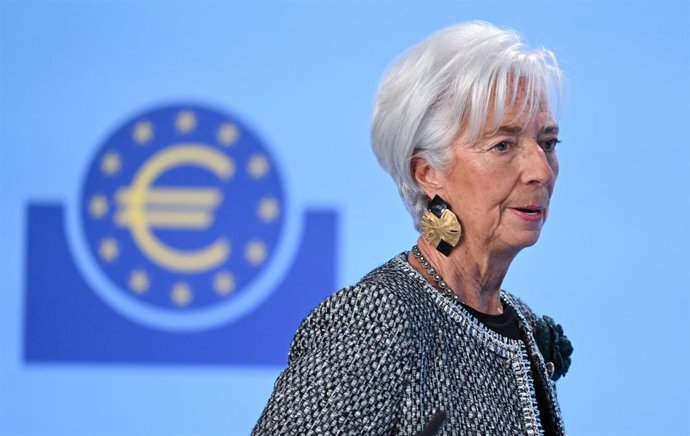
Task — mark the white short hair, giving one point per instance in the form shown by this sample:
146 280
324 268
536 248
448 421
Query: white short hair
449 79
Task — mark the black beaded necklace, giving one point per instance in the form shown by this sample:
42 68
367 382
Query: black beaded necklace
436 276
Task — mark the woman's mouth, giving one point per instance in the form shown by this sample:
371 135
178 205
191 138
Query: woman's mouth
529 213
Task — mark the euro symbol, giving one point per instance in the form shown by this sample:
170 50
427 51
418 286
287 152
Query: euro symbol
140 207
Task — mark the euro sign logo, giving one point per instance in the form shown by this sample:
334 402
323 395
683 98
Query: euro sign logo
143 208
182 208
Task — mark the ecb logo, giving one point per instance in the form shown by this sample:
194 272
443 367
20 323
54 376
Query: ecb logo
181 247
182 208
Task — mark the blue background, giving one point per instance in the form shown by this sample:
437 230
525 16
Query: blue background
612 265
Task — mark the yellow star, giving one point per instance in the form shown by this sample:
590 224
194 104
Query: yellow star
258 166
255 252
224 283
111 163
143 132
139 281
98 206
109 250
228 134
268 209
181 294
185 122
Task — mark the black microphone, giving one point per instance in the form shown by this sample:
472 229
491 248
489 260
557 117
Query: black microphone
434 425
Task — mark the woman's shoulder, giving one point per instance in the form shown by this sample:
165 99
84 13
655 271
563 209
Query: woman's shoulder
381 304
386 292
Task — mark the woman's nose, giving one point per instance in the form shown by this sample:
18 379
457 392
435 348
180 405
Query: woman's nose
540 167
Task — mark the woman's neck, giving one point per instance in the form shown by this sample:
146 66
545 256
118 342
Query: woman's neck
475 276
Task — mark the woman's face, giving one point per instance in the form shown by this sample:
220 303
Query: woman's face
500 185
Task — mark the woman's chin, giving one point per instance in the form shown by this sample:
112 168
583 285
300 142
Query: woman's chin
525 239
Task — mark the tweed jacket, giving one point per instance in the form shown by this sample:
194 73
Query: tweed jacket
381 357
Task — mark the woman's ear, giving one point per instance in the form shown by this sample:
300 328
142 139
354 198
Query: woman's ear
425 175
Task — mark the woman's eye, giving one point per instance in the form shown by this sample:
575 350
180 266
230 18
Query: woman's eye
550 145
502 146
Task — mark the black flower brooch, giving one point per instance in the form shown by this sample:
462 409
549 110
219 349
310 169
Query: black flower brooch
554 346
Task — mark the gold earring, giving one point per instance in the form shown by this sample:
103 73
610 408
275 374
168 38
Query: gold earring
440 226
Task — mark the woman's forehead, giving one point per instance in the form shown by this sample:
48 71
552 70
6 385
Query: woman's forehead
510 103
515 119
517 110
512 120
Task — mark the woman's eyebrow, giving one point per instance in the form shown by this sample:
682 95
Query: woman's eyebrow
514 130
509 130
550 128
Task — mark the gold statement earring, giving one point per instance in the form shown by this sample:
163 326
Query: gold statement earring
440 226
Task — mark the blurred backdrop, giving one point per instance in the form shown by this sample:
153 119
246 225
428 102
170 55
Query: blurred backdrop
182 182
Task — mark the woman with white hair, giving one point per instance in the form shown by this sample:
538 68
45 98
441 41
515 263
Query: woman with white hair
429 341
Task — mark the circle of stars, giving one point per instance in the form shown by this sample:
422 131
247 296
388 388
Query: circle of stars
223 283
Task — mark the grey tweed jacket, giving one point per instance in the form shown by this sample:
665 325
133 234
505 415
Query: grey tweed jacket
381 357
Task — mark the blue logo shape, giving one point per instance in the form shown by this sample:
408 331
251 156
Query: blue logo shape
182 208
180 248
